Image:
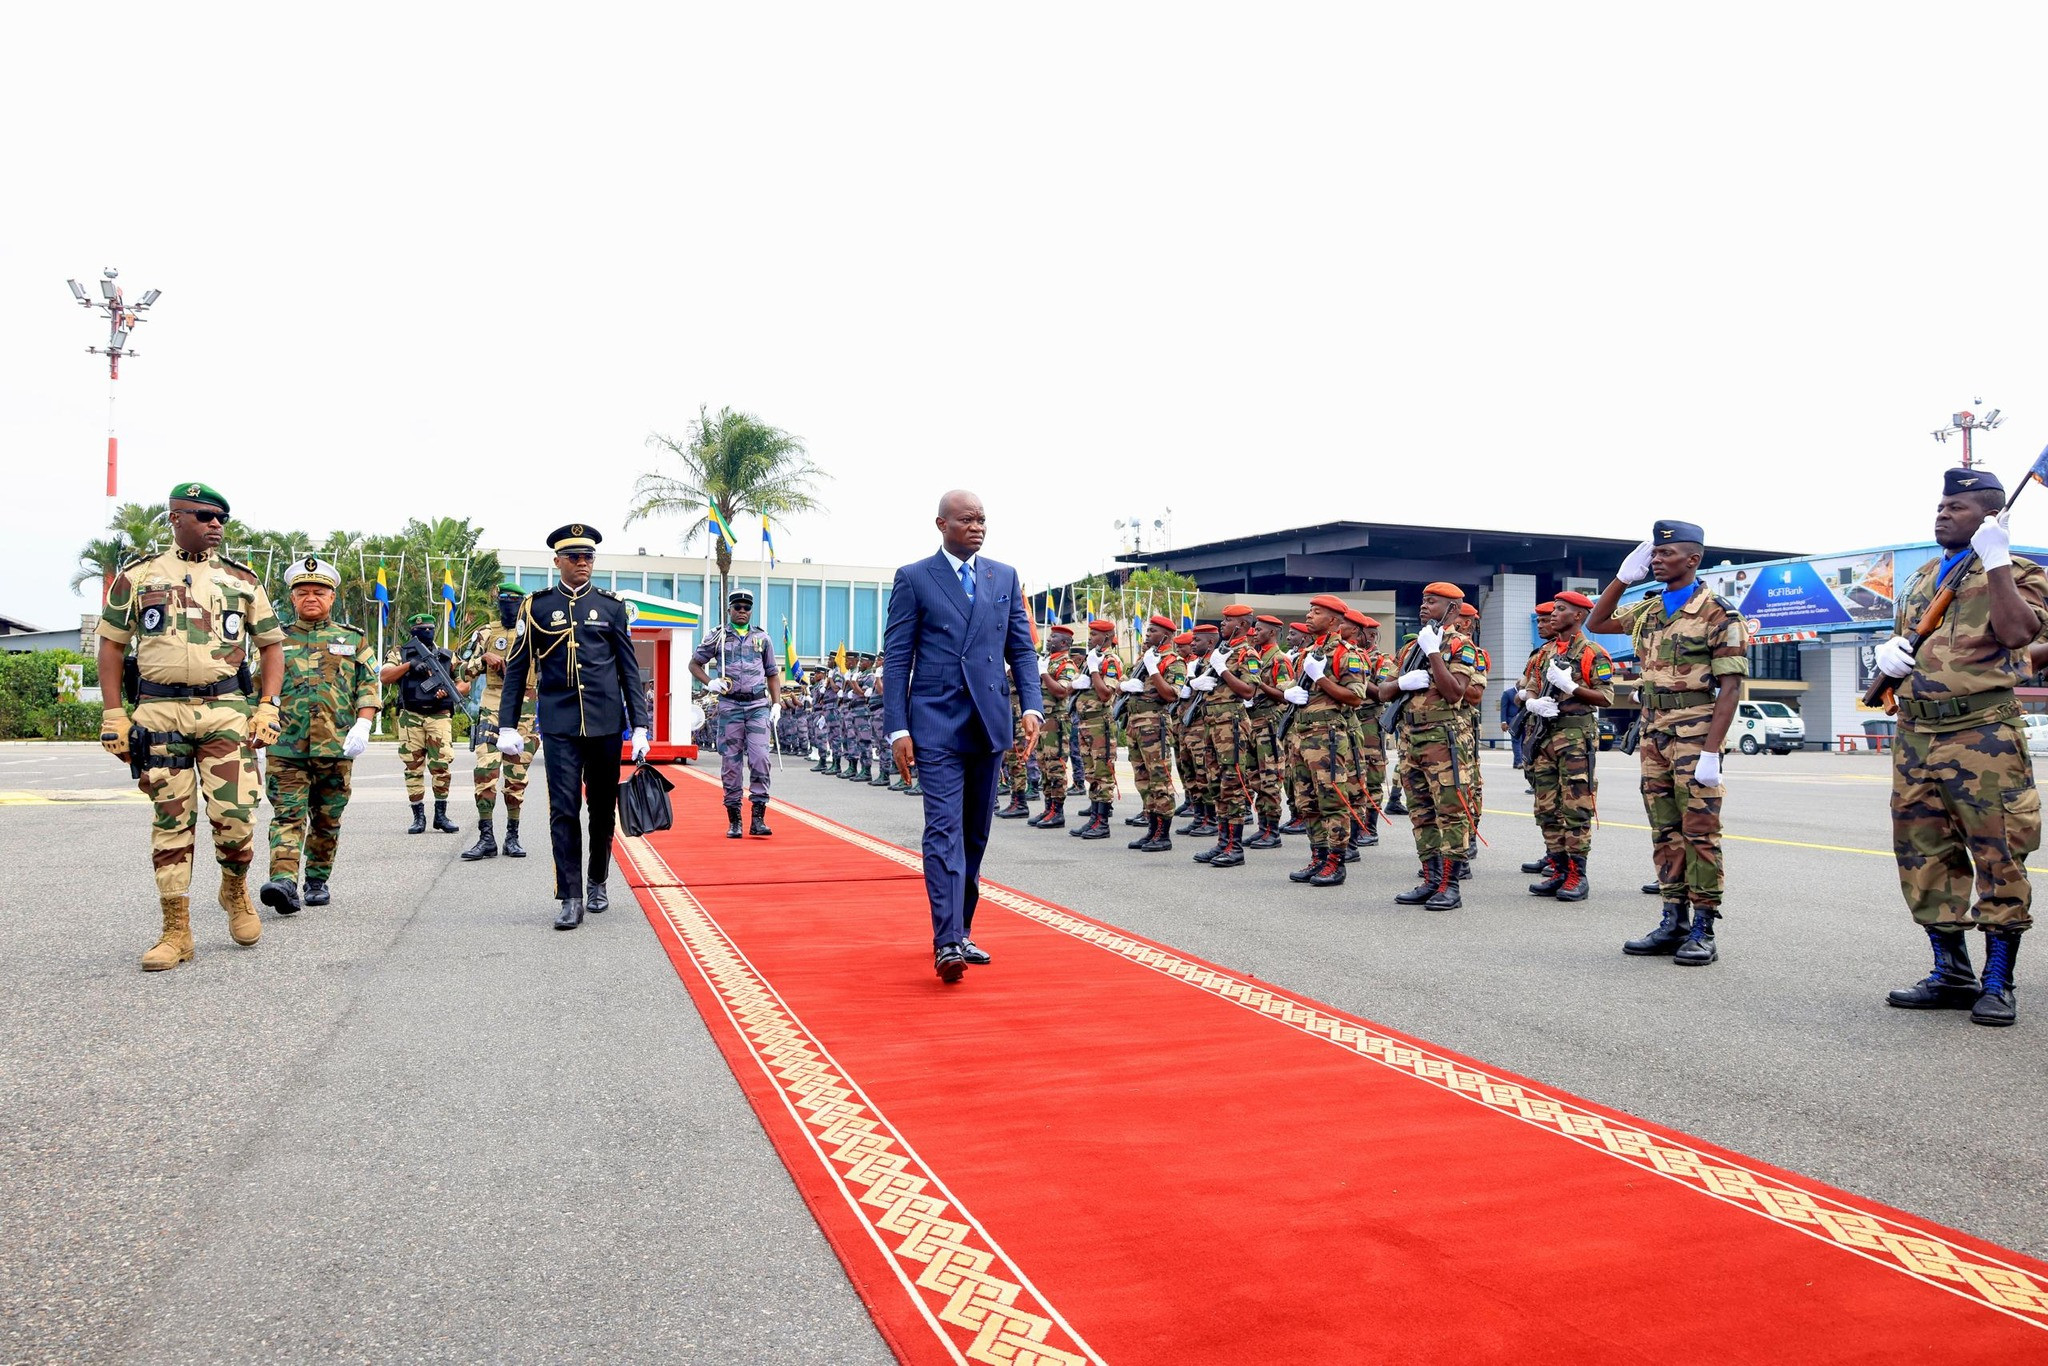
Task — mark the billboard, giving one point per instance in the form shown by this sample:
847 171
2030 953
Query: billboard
1832 591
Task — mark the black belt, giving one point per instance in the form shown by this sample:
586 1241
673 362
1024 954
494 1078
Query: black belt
741 696
180 690
1955 708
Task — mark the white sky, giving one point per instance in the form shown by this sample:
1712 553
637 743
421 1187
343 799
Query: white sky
1508 266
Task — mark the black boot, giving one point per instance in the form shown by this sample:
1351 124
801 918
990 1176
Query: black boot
1205 822
419 819
1653 889
880 778
1194 810
1669 934
571 914
1267 837
760 822
1395 806
1331 874
1140 819
1423 890
1461 869
732 820
1015 809
1953 983
1094 811
1151 829
1098 827
1186 808
1447 897
1162 836
1575 886
1222 842
1054 817
316 891
596 899
1295 825
1371 835
1030 789
1997 1006
1555 866
486 845
1544 865
441 821
513 848
1698 949
822 763
281 894
1231 855
1315 861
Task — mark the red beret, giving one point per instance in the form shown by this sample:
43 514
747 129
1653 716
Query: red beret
1300 626
1271 620
1100 625
1372 623
1329 603
1445 590
1575 598
1466 609
1354 616
1544 609
1237 609
1207 626
1166 622
1184 638
1062 628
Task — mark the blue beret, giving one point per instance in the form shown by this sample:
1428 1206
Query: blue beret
1668 532
1960 480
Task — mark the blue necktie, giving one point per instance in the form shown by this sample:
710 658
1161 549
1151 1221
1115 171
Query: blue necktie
967 581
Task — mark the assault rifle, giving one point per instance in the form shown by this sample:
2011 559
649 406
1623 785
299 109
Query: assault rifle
419 656
1390 719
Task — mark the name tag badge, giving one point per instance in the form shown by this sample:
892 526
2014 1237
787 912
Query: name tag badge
340 647
231 626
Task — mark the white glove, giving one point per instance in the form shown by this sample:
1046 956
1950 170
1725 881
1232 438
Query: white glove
1895 657
718 687
1248 701
1415 680
1220 660
1312 668
1522 695
1708 774
1545 707
1561 679
1429 638
357 740
774 712
1204 684
511 742
1181 692
1092 662
1993 543
1152 661
1298 696
1131 685
1636 567
640 743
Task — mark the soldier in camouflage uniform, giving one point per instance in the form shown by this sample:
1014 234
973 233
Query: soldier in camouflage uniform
1095 719
749 689
1573 678
1301 797
1468 626
1150 694
1329 683
1693 650
1058 680
484 658
1194 755
1016 766
1372 740
330 699
1266 670
191 615
1438 676
1235 668
1965 812
426 723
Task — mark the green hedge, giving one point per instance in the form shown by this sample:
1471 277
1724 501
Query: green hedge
29 708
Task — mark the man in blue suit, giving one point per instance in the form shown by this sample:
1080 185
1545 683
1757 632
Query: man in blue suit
957 636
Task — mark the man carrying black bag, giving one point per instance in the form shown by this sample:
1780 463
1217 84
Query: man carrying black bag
578 644
644 806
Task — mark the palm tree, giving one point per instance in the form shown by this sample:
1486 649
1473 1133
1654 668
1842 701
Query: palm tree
99 560
733 462
134 528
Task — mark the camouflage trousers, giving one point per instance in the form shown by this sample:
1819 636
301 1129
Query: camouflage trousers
1965 811
1017 760
1150 765
1324 767
1195 757
426 744
743 740
1052 753
1372 759
1685 818
1434 773
1561 772
307 797
215 735
1475 778
1301 793
490 764
1266 778
1097 736
706 735
1233 757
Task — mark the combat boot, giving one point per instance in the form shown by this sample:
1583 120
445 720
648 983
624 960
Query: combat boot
832 769
1461 869
896 783
913 790
1331 874
1371 834
1653 889
1997 1006
513 848
1669 934
441 821
1094 817
732 820
1294 825
419 819
281 894
1575 887
1556 865
1054 817
1953 983
1266 838
316 891
486 845
1151 830
760 822
1446 896
1231 855
1015 809
245 927
1423 890
1205 823
1186 808
1315 861
1698 949
1031 789
1140 819
1222 842
1347 852
1395 805
1194 817
1162 836
1098 827
880 778
1545 865
821 765
175 944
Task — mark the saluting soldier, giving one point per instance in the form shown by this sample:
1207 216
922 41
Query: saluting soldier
749 689
191 614
1058 680
1965 812
426 721
1095 718
577 641
1438 676
1158 682
1575 679
485 660
1693 650
1329 683
330 698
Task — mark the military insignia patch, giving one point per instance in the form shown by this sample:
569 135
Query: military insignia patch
592 616
152 619
194 490
576 529
312 563
557 615
231 626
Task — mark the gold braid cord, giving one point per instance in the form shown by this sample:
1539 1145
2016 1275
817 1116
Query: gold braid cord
1915 1252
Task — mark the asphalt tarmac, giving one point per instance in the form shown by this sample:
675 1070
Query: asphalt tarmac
421 1125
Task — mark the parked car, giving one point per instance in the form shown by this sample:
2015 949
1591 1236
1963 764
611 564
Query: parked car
2037 733
1767 725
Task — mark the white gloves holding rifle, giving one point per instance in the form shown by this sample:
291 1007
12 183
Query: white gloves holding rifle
1545 707
1132 685
1220 660
1415 680
1203 684
1298 696
1312 668
1561 679
1093 662
1993 543
1152 661
1429 639
1895 657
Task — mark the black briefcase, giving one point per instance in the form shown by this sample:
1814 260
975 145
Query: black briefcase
643 801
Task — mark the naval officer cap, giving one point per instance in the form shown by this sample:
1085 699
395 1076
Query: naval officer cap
313 569
1961 480
1673 533
575 536
739 595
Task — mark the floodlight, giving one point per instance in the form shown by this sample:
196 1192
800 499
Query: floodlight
111 273
1991 418
78 292
149 297
107 289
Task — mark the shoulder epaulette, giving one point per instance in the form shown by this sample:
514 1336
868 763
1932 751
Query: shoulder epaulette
1723 603
606 592
237 564
140 557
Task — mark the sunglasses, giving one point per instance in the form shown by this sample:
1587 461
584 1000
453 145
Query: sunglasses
579 556
204 514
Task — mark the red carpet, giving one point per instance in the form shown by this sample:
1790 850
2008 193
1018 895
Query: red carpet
1101 1149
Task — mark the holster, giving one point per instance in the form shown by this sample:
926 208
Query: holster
149 749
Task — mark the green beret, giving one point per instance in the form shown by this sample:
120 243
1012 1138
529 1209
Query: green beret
511 590
420 619
200 493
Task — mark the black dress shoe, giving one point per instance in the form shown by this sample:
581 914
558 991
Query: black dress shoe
949 963
572 913
597 901
974 953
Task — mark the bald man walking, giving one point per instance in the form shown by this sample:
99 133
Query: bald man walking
957 642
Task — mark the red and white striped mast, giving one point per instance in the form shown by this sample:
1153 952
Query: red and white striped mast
122 318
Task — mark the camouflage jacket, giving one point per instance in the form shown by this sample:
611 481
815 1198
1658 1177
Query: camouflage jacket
1064 668
1379 668
1268 666
1468 666
1690 653
1589 664
330 672
1963 657
192 618
1171 668
1112 674
492 639
1343 663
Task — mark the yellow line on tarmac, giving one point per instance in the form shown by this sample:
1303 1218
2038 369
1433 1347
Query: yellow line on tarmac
79 798
1748 839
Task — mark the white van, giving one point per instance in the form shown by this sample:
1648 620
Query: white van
1767 725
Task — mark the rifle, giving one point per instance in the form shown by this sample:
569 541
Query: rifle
1882 687
438 672
1390 719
